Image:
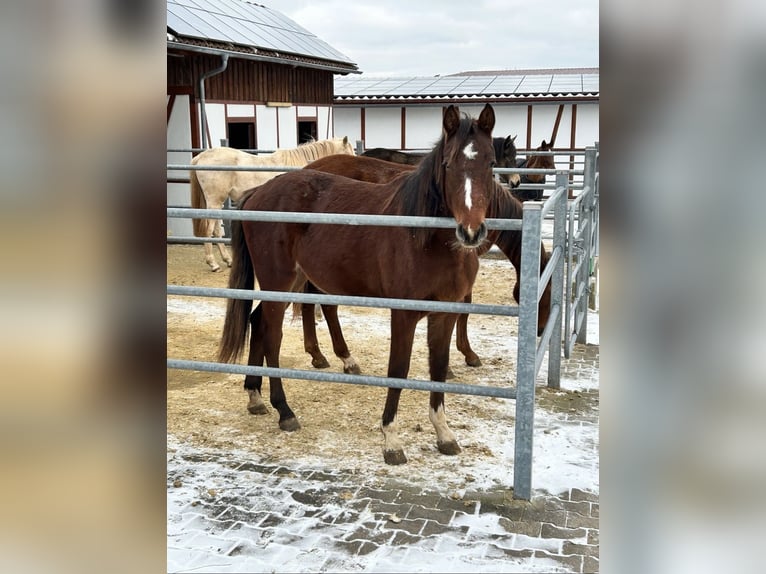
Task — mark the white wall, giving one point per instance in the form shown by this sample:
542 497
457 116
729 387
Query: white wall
423 127
266 124
423 124
179 137
587 125
288 127
347 122
383 127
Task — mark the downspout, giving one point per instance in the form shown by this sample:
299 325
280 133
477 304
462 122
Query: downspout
203 114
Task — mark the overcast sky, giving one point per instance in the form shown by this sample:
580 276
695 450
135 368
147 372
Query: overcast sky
430 37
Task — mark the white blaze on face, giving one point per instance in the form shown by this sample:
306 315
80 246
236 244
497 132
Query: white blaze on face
470 153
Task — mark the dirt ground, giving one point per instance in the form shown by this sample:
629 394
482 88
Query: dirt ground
209 409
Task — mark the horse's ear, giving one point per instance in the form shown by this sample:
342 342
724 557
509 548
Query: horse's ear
513 139
345 140
544 144
451 120
487 119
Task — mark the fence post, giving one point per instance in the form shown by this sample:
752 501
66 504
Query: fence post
586 215
557 279
527 349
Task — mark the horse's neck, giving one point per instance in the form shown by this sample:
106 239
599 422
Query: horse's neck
504 206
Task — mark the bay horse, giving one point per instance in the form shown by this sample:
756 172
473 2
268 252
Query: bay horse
505 156
538 161
502 206
454 180
209 189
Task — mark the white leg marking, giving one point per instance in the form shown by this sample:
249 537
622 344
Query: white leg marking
439 420
391 440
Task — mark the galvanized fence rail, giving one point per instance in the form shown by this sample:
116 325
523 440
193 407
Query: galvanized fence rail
530 355
582 251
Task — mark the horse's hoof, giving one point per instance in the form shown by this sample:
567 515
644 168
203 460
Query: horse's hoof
450 447
320 363
473 361
352 370
290 425
257 409
394 457
215 269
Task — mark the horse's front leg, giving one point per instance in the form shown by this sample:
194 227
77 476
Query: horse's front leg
440 326
403 325
461 340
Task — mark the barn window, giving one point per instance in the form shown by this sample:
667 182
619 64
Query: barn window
307 130
241 134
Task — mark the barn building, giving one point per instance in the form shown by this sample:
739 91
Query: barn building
244 73
558 105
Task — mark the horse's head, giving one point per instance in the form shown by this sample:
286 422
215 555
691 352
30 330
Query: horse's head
505 155
468 183
345 146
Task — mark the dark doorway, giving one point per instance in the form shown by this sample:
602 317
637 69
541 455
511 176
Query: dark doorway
241 134
307 131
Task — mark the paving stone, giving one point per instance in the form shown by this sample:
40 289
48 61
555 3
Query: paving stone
553 531
528 528
593 536
577 494
574 548
590 565
442 516
579 506
575 520
573 563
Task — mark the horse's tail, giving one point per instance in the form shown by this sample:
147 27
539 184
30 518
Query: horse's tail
236 323
197 202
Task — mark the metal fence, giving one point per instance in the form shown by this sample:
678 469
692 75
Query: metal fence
530 351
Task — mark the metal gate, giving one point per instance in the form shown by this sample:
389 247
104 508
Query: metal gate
530 353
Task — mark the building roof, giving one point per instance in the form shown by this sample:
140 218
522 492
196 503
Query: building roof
247 30
574 83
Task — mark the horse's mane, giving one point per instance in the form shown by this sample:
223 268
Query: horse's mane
308 152
421 192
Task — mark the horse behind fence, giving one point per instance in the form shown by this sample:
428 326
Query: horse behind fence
210 189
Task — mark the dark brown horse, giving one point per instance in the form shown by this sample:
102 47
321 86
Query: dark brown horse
453 180
537 161
503 206
505 156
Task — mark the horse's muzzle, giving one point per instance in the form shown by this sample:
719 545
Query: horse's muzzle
469 237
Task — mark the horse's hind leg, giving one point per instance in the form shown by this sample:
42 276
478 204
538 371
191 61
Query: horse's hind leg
210 225
272 317
462 342
440 327
222 249
310 341
253 383
339 345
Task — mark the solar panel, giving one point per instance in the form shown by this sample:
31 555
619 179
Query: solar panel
247 24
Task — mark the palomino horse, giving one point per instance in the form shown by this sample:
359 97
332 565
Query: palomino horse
537 161
209 189
505 156
503 206
454 180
